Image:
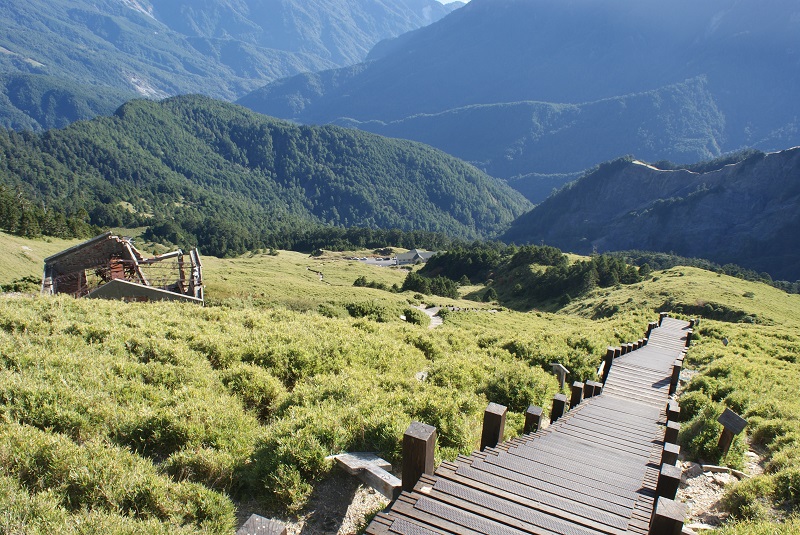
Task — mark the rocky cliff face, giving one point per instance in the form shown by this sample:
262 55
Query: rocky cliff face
746 213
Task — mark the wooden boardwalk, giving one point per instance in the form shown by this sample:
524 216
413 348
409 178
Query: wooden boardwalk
594 470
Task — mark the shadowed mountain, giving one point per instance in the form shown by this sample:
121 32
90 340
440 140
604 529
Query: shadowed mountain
222 48
523 86
745 212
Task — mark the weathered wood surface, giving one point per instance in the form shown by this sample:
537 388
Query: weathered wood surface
594 470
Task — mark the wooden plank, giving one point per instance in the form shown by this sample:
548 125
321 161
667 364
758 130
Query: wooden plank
575 511
594 470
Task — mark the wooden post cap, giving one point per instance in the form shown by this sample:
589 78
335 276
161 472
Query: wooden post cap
673 411
668 516
559 407
670 453
419 444
668 481
671 433
533 419
494 424
577 394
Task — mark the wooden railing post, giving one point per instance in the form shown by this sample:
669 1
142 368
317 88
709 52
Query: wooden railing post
689 335
650 326
671 433
668 481
494 425
419 443
669 455
577 394
533 419
609 360
559 407
673 411
667 517
676 376
617 352
598 388
661 317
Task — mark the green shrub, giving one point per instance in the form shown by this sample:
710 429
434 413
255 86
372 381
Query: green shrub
765 431
214 350
373 310
516 385
699 437
692 403
738 402
332 311
157 434
213 468
286 464
787 486
416 317
258 390
97 476
748 498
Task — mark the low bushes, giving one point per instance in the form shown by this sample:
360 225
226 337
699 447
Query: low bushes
416 316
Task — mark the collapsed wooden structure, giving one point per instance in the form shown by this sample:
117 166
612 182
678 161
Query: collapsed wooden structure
607 463
110 267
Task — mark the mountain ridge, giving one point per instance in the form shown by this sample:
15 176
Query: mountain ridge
222 48
497 52
221 175
743 212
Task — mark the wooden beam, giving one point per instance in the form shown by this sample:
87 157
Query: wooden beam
669 455
577 394
676 376
671 433
533 419
494 425
673 411
419 443
609 360
668 481
559 407
668 516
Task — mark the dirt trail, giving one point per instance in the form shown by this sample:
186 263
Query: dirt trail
436 321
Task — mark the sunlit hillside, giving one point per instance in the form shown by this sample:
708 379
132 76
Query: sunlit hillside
163 418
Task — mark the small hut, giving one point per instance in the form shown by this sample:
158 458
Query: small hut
110 267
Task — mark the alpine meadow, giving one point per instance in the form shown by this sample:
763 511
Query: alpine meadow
399 267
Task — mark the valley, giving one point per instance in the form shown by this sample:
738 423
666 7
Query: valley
405 211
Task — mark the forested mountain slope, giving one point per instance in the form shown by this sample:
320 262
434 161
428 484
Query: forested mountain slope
221 48
201 171
681 80
744 213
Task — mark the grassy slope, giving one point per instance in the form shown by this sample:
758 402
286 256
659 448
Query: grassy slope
247 396
22 257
